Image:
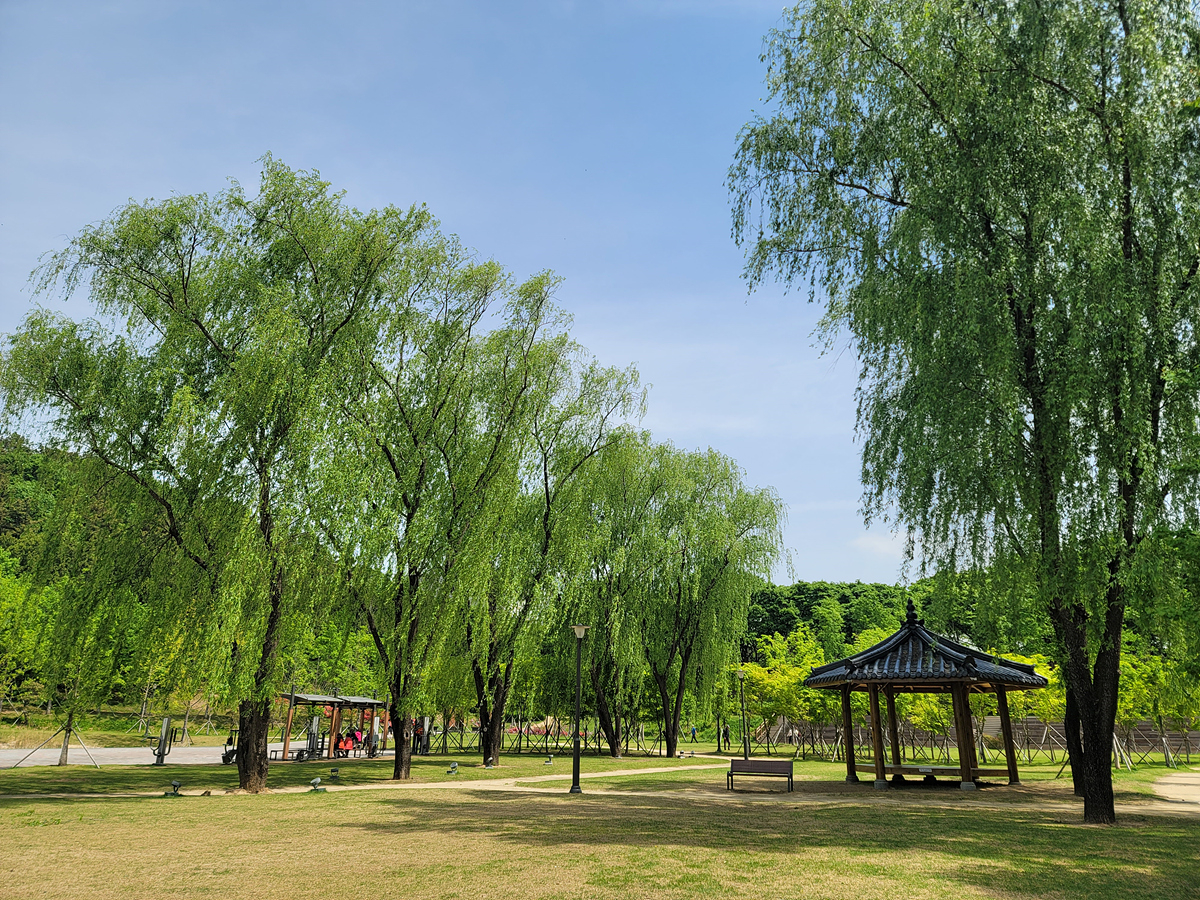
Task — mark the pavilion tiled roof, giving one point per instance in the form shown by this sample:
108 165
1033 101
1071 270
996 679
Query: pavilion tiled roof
918 658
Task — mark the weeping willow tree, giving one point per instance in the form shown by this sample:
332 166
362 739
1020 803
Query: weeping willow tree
714 540
574 410
219 319
616 553
417 452
1000 205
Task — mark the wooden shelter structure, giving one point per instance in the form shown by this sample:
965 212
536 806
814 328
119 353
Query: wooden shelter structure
336 705
915 660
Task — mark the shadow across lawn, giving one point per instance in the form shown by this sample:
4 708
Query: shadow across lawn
1017 852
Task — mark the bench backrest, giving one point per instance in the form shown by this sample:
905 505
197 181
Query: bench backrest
772 766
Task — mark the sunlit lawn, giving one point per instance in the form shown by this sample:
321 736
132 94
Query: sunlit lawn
472 844
673 832
353 771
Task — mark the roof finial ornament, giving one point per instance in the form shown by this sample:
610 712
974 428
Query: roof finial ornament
912 613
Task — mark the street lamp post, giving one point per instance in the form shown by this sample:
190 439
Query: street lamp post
745 730
580 630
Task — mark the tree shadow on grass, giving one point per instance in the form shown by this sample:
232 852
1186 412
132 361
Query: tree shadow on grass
1017 852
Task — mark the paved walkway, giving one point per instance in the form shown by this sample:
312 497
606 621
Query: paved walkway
1182 787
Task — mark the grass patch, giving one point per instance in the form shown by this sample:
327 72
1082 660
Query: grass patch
82 779
466 843
1039 782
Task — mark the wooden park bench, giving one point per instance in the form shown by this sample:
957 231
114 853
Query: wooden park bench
764 768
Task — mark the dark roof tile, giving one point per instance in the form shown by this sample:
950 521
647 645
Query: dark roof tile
916 655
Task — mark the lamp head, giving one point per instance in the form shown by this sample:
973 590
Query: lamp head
580 630
741 674
175 784
316 781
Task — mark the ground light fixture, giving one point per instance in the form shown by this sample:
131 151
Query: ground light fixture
741 673
174 791
316 786
453 770
333 774
549 760
580 631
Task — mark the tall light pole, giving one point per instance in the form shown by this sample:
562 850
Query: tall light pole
580 631
745 730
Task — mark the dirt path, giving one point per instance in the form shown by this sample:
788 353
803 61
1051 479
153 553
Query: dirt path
1180 787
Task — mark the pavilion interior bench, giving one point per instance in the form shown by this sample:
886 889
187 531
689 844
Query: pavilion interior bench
763 768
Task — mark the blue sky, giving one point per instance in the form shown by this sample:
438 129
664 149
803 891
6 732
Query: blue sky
589 138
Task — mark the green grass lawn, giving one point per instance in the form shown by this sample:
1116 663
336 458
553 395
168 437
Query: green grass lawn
481 844
134 779
1039 782
673 832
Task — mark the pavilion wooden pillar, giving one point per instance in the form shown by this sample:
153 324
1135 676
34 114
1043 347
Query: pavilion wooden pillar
893 730
877 738
335 722
970 722
1010 752
848 736
287 729
964 736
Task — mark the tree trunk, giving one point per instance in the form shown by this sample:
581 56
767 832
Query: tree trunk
491 690
610 724
1097 718
254 726
491 738
672 708
404 735
254 715
1074 744
62 754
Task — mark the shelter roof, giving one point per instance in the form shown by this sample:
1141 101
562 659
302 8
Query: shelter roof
917 659
328 700
317 699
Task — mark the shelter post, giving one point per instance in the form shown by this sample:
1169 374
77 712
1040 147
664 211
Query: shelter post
848 736
335 721
1010 753
969 720
877 738
963 735
287 729
893 731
